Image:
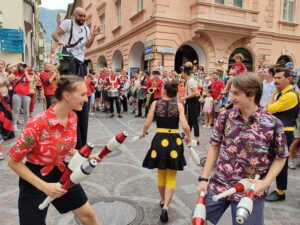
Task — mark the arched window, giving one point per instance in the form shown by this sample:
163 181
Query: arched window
248 61
282 60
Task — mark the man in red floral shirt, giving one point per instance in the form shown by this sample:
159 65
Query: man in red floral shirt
246 141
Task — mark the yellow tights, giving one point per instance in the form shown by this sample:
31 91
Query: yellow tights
166 178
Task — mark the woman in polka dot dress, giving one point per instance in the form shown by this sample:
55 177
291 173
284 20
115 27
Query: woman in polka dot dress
166 151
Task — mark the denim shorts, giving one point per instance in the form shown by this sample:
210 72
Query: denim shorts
215 210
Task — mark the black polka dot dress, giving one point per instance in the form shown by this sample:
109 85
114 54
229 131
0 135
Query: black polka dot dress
166 151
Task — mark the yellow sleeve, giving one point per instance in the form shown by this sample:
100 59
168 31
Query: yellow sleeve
285 102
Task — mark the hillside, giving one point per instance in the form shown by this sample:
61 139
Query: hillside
48 19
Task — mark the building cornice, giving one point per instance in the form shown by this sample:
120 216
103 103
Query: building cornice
278 36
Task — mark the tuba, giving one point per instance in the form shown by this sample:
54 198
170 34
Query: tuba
150 93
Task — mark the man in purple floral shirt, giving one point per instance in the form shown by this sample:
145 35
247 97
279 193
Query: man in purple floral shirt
246 141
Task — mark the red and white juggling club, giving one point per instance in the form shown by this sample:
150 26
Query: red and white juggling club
241 186
137 138
199 215
245 206
79 157
192 151
113 144
80 173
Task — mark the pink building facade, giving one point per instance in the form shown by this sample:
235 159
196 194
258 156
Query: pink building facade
137 34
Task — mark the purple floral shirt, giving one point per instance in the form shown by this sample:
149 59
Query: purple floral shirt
246 148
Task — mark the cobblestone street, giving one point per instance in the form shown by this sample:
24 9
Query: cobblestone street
134 188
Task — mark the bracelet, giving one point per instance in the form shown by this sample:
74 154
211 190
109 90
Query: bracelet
203 179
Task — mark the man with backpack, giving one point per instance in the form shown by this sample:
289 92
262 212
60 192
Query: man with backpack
74 36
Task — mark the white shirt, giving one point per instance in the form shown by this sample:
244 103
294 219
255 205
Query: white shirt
190 85
78 32
268 89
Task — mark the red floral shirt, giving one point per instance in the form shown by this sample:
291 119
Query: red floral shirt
45 141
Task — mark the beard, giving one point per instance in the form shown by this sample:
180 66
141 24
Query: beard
79 22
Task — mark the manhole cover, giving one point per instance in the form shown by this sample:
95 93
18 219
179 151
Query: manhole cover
110 155
117 211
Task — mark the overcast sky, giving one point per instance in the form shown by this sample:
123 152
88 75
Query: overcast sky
56 4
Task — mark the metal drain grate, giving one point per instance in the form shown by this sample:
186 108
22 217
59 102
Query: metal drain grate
117 211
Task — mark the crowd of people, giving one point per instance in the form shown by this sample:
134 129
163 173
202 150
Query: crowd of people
255 120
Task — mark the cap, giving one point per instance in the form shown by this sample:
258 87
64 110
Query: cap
294 73
238 55
220 61
289 65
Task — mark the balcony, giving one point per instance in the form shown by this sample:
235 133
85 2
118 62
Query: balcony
212 15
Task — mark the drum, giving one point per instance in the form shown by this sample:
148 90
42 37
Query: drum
113 93
133 91
141 93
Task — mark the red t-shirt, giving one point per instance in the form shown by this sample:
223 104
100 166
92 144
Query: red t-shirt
159 85
216 88
89 85
49 88
45 141
239 67
22 88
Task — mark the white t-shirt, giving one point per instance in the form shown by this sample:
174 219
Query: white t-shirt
78 32
190 85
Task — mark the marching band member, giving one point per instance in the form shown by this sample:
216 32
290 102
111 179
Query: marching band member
114 84
154 85
125 89
143 90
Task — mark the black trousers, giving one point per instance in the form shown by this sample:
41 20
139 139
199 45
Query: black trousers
49 99
72 66
124 103
282 178
140 105
193 110
111 101
82 125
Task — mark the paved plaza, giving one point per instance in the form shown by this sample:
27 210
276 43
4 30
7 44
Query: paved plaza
122 192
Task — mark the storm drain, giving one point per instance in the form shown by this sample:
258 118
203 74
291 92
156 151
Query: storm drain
118 211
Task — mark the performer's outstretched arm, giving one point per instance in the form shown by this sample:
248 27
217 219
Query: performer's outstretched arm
56 36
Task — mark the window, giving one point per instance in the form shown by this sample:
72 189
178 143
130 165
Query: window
220 2
238 3
140 5
288 10
119 12
102 24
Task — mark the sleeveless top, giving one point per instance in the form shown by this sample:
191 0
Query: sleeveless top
167 114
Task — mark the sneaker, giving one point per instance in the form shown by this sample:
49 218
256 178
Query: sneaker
291 165
1 156
112 115
120 116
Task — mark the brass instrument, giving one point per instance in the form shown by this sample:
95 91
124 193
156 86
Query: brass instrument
150 93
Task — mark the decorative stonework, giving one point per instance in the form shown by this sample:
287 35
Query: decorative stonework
269 18
204 41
